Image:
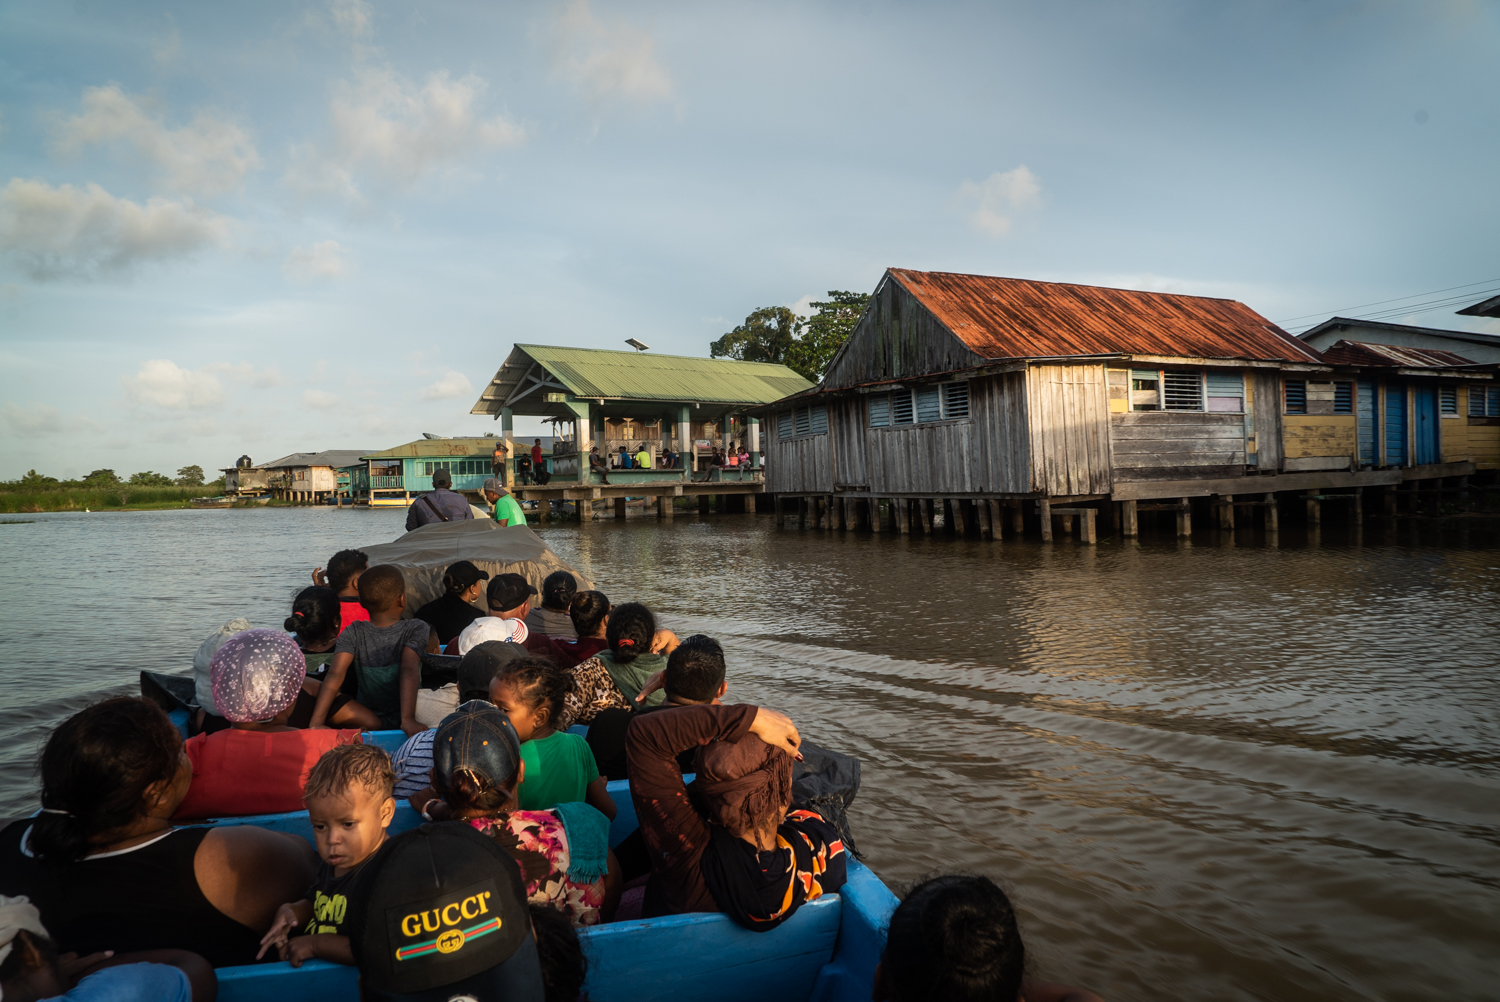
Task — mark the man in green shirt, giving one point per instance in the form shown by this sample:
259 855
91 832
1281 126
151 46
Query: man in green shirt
507 509
643 458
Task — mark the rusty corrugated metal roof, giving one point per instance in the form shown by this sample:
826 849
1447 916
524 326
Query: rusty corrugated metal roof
1017 318
1365 353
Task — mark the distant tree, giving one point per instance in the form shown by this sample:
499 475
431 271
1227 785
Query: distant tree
146 478
825 332
803 344
35 479
190 476
101 478
765 336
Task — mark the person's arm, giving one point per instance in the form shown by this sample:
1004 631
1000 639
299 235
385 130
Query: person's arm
1048 991
292 915
652 743
664 642
598 798
323 946
411 517
202 981
432 643
248 873
410 680
332 682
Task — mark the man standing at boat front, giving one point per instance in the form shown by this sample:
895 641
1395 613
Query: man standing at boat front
507 510
441 504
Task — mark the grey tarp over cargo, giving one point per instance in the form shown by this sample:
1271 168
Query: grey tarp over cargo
425 553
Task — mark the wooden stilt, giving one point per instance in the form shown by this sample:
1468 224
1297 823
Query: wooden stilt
903 516
986 519
1090 532
619 507
1226 511
1273 513
1130 524
1185 517
924 512
1044 512
1359 505
959 507
1314 508
664 506
780 509
802 513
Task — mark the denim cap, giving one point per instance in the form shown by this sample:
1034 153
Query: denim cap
256 674
477 736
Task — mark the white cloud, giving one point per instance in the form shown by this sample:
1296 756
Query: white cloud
803 307
323 260
353 17
248 374
384 125
320 400
207 157
44 419
160 382
452 386
604 59
85 232
166 50
998 197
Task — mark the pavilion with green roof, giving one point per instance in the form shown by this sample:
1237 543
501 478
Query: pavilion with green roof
613 398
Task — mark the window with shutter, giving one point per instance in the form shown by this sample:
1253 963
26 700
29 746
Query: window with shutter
929 404
819 420
955 400
1182 391
880 410
1145 390
1343 398
803 421
1448 399
901 412
1226 392
784 424
1492 398
1296 396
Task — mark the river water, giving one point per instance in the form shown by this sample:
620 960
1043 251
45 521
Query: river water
1207 769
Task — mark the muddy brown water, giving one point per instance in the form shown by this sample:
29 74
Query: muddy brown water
1210 769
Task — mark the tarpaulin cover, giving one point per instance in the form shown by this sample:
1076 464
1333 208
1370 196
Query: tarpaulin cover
425 553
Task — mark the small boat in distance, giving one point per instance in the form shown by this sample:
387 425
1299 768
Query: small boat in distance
218 502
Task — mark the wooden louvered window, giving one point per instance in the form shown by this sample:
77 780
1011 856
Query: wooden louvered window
1182 391
929 404
812 420
955 400
901 412
1343 398
1296 396
880 410
942 402
1226 392
1448 401
1484 401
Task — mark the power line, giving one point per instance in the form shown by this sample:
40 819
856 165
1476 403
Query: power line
1415 295
1409 309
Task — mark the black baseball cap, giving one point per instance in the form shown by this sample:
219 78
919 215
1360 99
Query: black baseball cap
507 591
441 911
463 574
441 478
483 662
477 736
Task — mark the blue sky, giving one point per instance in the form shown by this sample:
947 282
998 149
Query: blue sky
272 227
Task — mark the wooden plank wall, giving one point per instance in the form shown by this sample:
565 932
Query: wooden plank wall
1151 445
895 339
1313 435
847 423
1480 435
1068 406
796 465
1264 400
986 453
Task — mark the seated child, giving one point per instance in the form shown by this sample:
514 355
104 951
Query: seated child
350 805
955 937
30 967
384 653
563 854
344 569
259 764
560 768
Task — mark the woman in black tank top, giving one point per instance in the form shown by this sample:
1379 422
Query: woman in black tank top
107 870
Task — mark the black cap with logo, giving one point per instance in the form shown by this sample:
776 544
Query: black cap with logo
506 591
442 909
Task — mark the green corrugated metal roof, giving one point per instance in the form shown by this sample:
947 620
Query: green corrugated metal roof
439 448
628 375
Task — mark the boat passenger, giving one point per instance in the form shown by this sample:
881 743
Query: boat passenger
588 612
441 504
560 769
614 677
450 614
563 853
564 965
694 675
344 569
259 764
315 622
747 855
551 617
955 937
384 654
509 599
30 967
350 805
413 760
107 870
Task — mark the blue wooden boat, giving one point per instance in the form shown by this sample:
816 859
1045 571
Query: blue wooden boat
827 952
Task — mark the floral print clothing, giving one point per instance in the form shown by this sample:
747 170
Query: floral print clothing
539 844
594 690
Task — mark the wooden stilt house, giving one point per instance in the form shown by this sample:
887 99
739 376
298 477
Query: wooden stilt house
967 388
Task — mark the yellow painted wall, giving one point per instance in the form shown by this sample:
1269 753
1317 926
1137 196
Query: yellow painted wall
1306 435
1477 442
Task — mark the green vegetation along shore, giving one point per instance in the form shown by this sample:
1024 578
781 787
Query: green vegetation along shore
103 490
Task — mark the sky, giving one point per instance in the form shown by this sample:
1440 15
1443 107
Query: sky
277 227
